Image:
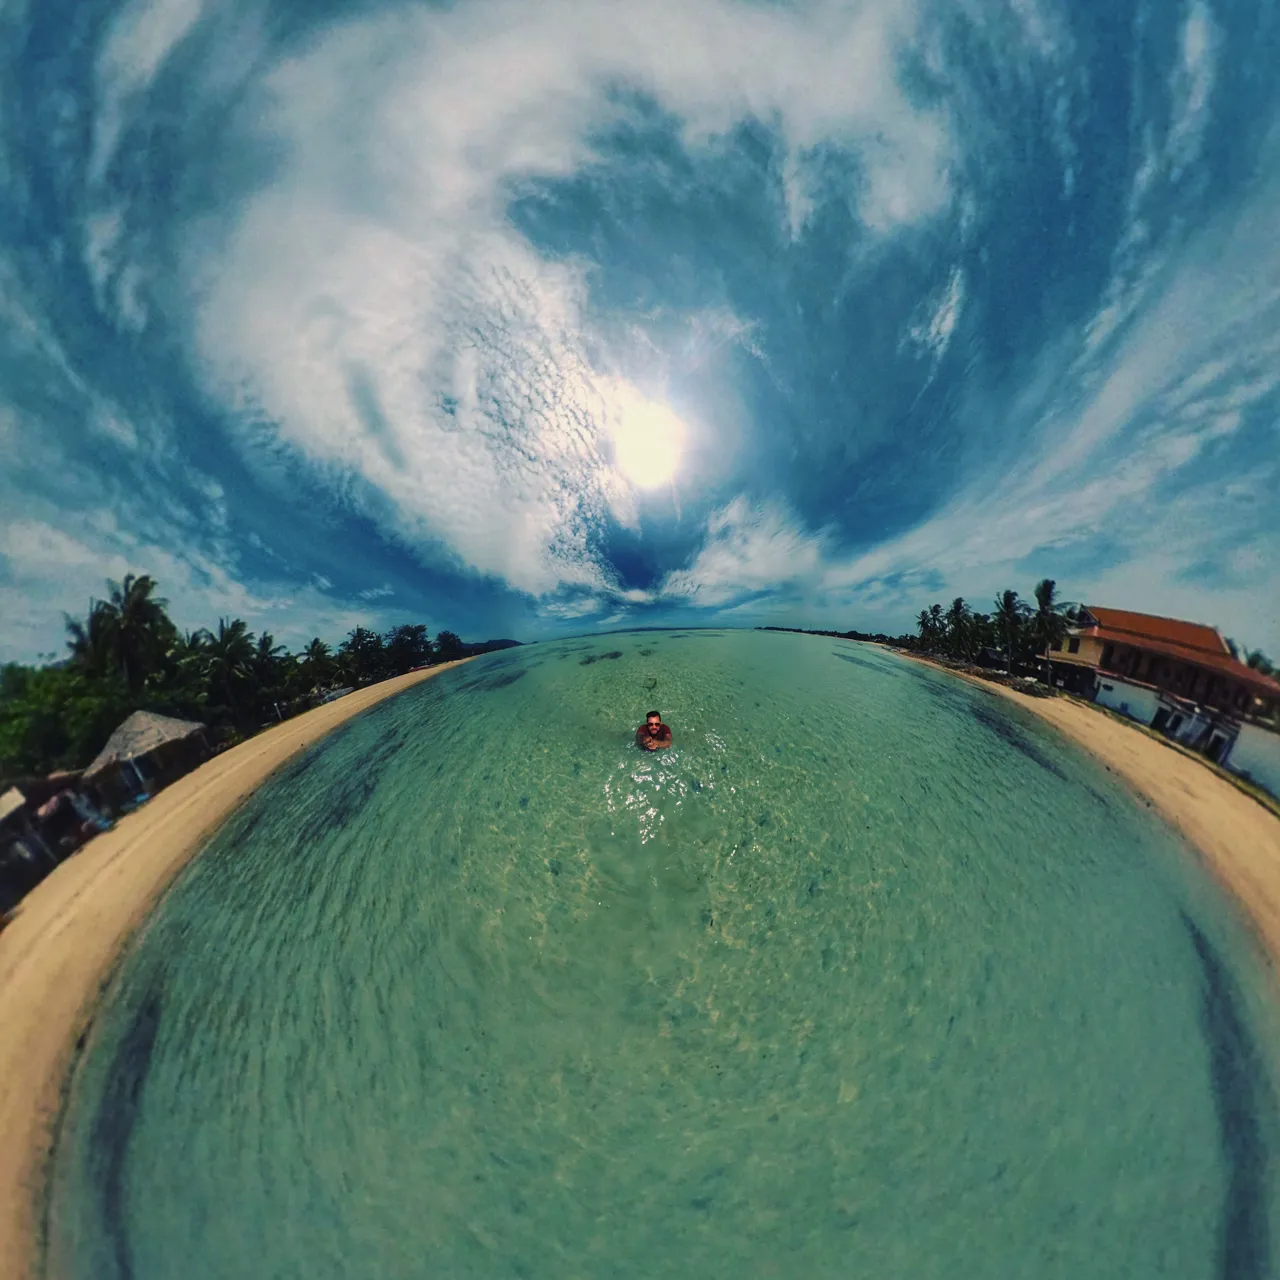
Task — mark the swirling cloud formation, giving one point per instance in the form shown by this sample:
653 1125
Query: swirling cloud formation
328 315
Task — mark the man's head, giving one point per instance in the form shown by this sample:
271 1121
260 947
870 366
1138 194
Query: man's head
653 719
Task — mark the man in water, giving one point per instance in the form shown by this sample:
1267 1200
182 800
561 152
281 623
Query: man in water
653 735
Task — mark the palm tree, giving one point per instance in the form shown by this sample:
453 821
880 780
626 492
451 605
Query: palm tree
958 626
180 682
361 654
91 642
139 627
407 647
1258 661
271 664
1008 618
1047 624
229 659
924 625
267 657
981 633
448 646
316 663
935 616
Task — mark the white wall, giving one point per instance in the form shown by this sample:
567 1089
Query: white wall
1256 754
1130 699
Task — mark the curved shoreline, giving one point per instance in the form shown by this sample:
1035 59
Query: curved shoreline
1237 837
67 935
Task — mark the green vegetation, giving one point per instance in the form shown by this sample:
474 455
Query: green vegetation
1020 634
127 655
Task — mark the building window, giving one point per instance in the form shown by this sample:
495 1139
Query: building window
1106 655
1073 645
1241 698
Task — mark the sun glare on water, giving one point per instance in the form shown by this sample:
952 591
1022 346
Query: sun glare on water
648 441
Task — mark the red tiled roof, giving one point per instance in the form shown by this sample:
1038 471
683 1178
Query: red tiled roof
1146 626
1188 641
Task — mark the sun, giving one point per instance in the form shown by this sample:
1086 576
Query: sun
648 442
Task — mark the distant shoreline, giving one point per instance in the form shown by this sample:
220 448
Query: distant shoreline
67 935
1236 835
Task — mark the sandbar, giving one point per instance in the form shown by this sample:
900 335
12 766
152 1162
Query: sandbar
67 934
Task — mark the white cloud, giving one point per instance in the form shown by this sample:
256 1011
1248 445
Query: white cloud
140 40
931 334
1206 349
749 547
1138 263
1099 444
51 569
376 312
565 610
1191 89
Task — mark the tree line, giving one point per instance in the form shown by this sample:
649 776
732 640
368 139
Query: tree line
1021 633
1016 630
128 655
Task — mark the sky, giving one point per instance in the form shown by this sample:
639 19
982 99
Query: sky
534 319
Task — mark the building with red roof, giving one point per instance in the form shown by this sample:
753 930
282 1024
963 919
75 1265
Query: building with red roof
1179 677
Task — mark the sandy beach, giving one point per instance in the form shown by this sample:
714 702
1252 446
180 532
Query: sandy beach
67 934
58 952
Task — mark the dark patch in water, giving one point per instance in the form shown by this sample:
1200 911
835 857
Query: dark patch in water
1240 1092
646 653
1007 731
588 660
861 662
113 1123
346 795
613 653
944 688
503 679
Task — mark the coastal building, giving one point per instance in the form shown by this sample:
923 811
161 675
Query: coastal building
144 754
1178 677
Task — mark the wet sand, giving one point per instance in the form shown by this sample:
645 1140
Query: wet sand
67 934
1237 837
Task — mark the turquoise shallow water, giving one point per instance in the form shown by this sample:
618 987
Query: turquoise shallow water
871 975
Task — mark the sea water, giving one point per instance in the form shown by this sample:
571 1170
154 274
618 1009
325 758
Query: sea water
872 974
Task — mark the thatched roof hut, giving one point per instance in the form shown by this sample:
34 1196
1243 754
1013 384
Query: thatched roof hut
140 735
